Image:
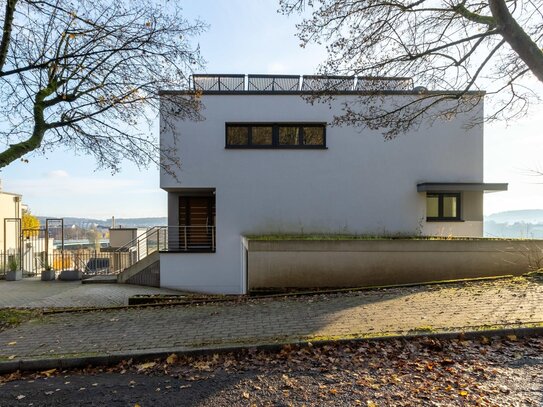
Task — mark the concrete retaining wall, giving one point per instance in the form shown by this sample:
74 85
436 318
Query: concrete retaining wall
357 263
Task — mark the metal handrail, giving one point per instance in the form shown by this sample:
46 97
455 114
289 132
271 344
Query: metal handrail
168 239
134 241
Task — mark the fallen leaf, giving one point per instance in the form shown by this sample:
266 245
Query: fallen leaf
145 366
512 338
20 396
12 343
12 357
245 395
463 393
48 373
171 359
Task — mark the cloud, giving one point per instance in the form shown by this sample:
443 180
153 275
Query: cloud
57 174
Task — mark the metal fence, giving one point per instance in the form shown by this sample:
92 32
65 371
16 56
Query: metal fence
38 253
88 261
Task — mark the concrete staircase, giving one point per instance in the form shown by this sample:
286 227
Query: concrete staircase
144 272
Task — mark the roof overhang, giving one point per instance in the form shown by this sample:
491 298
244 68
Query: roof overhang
460 187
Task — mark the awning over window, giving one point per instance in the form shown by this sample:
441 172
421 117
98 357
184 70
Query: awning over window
459 187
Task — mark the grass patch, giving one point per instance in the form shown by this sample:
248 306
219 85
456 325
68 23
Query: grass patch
332 236
423 329
13 317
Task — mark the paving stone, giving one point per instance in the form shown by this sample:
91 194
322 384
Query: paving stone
34 293
394 310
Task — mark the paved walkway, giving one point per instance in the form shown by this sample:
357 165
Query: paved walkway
399 310
34 293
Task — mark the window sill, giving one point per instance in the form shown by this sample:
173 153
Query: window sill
276 148
187 251
444 220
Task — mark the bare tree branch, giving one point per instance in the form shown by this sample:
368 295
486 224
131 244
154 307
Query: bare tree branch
461 46
87 74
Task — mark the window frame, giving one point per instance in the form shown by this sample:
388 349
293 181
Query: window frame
275 136
440 207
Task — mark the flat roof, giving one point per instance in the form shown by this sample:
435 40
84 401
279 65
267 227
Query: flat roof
10 193
269 84
460 186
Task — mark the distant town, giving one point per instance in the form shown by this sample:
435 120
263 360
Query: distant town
520 224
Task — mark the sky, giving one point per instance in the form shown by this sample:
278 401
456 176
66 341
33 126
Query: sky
248 36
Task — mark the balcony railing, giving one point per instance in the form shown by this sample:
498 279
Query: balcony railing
188 239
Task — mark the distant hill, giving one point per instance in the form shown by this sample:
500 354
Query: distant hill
526 224
524 216
105 223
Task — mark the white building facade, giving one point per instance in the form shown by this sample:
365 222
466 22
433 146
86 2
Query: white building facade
268 162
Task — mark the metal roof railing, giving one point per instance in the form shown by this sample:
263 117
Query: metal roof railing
296 83
327 83
210 82
376 83
273 82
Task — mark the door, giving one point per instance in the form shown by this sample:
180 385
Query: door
197 221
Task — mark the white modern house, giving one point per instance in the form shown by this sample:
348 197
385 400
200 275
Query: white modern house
264 161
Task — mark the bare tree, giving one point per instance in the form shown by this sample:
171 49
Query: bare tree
84 75
458 45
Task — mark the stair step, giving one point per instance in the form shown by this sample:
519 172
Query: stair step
107 279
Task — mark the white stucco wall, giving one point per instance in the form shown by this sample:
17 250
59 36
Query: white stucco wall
119 237
359 184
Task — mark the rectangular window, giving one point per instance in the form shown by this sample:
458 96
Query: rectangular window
237 135
289 135
432 206
443 206
262 135
276 135
313 136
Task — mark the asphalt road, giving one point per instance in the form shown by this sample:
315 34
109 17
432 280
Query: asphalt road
418 372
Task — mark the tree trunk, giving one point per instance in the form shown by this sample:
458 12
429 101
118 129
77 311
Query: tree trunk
16 151
517 38
6 34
